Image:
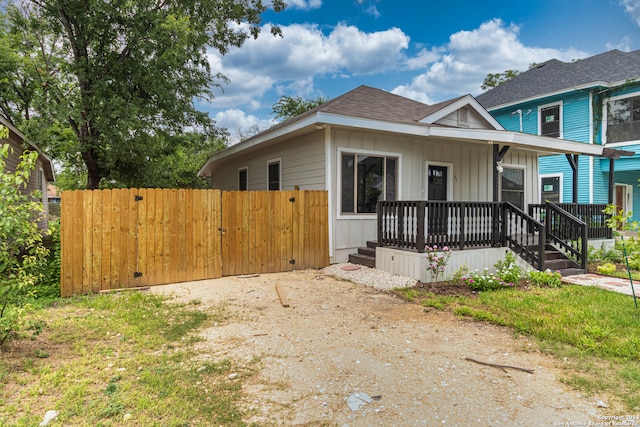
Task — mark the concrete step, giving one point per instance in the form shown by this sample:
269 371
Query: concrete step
365 260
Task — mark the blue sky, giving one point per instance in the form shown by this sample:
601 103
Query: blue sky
425 50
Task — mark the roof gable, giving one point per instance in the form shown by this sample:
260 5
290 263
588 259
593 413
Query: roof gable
435 114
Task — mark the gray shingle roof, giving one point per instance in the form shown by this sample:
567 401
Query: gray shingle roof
553 75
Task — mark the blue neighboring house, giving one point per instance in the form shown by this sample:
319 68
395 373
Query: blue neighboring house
595 101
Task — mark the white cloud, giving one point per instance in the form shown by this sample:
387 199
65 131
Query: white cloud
304 4
241 125
624 45
632 7
302 53
471 55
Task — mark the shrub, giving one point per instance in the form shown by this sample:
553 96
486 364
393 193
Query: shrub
607 269
437 260
21 249
547 278
508 274
49 271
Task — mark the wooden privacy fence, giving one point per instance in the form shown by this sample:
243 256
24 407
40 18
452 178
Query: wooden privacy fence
124 238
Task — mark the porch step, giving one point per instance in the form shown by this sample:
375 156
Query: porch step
366 260
557 261
366 256
571 271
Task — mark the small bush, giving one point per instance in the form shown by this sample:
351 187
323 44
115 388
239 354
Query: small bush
437 260
607 269
547 278
508 274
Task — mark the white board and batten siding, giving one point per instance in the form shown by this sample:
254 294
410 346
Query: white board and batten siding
414 265
470 165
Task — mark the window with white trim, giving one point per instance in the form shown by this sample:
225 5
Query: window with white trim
512 186
274 175
365 180
550 121
623 119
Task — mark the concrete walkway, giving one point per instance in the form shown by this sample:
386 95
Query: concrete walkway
615 284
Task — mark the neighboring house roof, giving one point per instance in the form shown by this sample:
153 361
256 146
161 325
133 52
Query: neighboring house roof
47 165
610 68
374 109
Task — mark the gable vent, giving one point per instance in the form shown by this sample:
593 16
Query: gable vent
463 117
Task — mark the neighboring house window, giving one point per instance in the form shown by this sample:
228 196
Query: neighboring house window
550 189
243 179
365 180
550 121
512 185
274 175
623 119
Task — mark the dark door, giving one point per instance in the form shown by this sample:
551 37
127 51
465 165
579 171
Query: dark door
437 190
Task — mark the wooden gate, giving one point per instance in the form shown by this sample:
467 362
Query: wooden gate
126 238
273 231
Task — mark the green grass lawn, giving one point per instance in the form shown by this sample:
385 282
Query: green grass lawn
596 332
117 359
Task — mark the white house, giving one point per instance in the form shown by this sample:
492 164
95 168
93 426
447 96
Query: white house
369 145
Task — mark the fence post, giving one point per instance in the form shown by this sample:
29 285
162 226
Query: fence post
420 227
379 209
463 215
585 247
542 244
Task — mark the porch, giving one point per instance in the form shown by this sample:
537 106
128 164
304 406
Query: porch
553 236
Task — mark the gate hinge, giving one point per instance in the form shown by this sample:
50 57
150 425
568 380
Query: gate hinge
292 261
137 274
138 198
293 199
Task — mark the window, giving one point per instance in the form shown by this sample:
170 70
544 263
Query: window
274 175
623 119
243 182
512 182
550 189
550 121
365 180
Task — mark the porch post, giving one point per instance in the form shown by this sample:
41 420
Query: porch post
573 162
611 180
498 154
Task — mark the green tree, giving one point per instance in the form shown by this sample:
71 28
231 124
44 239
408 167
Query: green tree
112 84
290 106
21 250
493 80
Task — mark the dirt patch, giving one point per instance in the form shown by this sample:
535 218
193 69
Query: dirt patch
339 341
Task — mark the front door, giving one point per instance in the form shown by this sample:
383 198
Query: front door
438 216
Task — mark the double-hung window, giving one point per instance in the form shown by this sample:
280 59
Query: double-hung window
550 121
366 179
623 119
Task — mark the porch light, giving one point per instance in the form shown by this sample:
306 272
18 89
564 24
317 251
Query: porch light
490 142
499 167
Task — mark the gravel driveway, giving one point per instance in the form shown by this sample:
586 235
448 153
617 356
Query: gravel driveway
346 354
